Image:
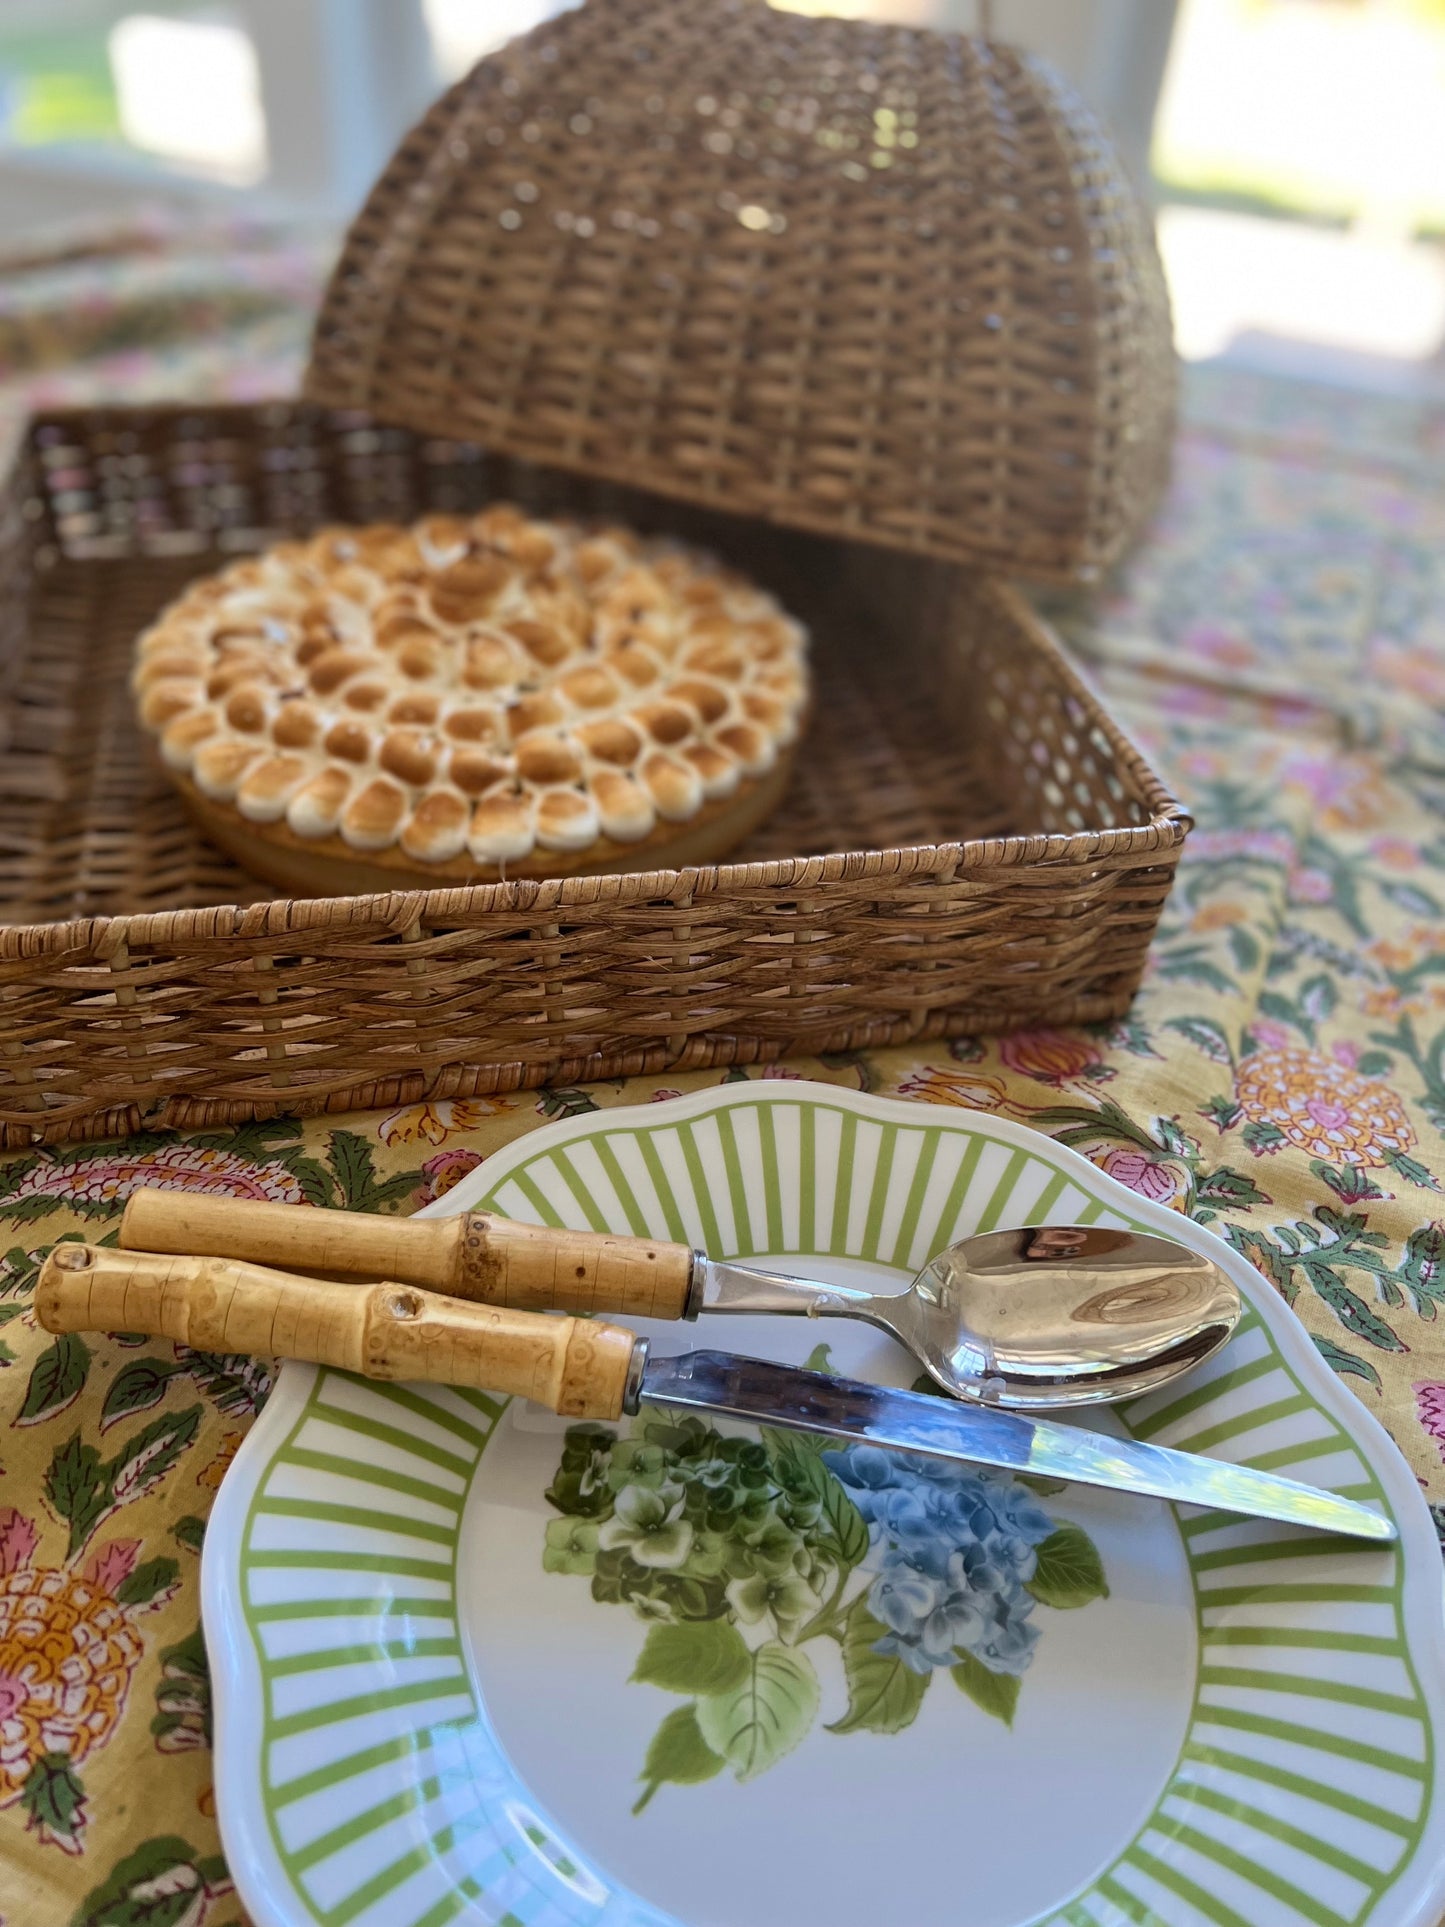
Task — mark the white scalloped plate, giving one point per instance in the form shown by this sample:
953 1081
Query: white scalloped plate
419 1722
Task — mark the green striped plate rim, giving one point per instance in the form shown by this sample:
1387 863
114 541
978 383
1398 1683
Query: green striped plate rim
360 1783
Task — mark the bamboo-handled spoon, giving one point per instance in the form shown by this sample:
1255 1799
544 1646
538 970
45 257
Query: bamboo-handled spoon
582 1368
1055 1315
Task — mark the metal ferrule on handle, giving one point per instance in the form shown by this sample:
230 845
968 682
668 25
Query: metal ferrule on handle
579 1368
477 1256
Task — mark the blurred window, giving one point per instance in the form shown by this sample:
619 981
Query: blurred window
190 91
463 30
174 87
1299 156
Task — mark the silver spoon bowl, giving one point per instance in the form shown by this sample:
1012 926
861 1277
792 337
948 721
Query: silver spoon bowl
1053 1315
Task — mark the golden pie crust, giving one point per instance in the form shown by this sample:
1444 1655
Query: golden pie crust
473 698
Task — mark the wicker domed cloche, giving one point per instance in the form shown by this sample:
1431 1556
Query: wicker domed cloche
859 278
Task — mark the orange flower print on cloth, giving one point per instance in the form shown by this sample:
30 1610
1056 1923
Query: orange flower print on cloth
1320 1105
435 1122
213 1473
1410 974
1057 1057
109 1177
948 1084
68 1650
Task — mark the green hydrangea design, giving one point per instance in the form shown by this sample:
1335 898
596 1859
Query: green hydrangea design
739 1552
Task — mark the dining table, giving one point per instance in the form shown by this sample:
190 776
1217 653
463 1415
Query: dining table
1275 643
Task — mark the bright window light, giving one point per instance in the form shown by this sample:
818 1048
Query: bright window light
463 30
1233 276
190 91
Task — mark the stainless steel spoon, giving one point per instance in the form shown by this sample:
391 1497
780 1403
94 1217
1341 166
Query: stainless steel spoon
1052 1315
1055 1315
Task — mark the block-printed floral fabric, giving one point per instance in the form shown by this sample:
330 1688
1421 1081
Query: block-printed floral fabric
1278 643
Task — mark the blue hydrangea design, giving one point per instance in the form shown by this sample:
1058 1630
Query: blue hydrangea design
952 1551
739 1554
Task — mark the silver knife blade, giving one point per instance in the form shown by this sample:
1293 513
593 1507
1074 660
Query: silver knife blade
756 1390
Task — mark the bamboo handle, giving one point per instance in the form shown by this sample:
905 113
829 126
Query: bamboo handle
571 1365
532 1267
521 1266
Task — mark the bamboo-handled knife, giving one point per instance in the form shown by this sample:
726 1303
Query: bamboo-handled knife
582 1368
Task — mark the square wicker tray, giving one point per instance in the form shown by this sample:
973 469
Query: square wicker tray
969 842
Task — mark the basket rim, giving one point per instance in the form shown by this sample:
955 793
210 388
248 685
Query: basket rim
102 937
403 910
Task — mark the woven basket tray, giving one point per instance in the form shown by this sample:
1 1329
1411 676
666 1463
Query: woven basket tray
969 843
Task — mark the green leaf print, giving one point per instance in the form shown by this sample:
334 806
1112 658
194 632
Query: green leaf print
236 1384
1265 1258
78 1487
1422 1270
788 1445
355 1169
884 1694
844 1536
1411 1170
189 1532
1374 1063
758 1722
136 1388
149 1582
356 1181
1429 1062
1350 1183
1346 1363
57 1380
678 1755
54 1802
1317 998
997 1694
318 1187
1230 1187
183 1698
1243 947
1205 1035
700 1657
1044 1487
164 1883
1352 1311
1069 1572
565 1103
1187 964
146 1458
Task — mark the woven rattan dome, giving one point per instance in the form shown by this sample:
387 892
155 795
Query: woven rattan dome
853 277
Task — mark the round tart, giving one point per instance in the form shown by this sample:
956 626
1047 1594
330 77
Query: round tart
473 698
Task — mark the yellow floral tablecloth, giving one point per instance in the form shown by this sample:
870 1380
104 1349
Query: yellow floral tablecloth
1279 644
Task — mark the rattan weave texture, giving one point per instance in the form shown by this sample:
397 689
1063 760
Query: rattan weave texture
849 276
969 843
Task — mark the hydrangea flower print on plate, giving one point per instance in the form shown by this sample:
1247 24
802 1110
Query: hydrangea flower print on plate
740 1553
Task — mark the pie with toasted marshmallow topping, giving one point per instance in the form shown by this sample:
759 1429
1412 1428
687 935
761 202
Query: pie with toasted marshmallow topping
473 698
